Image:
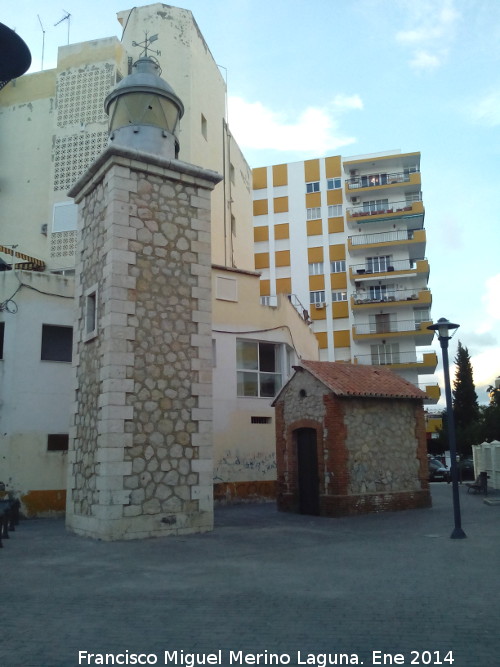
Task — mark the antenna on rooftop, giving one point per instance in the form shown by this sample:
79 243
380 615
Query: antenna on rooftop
64 18
43 37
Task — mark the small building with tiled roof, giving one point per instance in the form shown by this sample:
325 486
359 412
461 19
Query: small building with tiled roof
350 439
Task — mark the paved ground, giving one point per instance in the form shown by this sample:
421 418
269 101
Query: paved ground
262 581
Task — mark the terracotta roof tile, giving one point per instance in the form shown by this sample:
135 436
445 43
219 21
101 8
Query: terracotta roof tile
359 380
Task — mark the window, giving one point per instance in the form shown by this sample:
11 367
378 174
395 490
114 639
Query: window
422 315
65 217
334 183
412 196
338 266
378 264
316 298
2 334
260 420
385 354
57 442
339 296
335 211
258 367
57 343
90 313
375 205
316 269
380 292
313 186
313 213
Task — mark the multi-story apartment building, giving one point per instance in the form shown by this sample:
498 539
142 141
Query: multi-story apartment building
345 238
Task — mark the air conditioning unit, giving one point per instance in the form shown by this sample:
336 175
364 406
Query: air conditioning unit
320 306
354 173
355 200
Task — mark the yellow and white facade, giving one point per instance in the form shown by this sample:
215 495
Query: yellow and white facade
345 237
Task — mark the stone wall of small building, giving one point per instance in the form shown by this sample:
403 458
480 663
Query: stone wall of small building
371 452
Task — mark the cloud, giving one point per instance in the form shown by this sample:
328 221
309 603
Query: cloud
490 301
486 110
314 130
433 30
424 60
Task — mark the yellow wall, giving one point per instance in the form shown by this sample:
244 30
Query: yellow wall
335 225
283 286
262 260
322 337
265 287
311 170
314 255
337 251
280 175
260 207
260 234
334 197
259 178
282 258
282 231
333 166
338 280
340 309
313 199
341 338
314 227
280 204
316 282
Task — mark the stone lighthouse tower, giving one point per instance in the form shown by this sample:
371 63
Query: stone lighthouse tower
140 463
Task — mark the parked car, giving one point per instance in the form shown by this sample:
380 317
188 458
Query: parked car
437 471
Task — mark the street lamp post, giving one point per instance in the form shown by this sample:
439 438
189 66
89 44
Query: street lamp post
442 328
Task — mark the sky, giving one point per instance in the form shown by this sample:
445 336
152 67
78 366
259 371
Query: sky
330 77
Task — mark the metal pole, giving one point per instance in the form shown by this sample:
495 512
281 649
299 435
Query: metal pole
457 533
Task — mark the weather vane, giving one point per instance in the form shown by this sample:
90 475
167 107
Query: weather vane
146 44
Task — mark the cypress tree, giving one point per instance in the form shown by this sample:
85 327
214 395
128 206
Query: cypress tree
465 405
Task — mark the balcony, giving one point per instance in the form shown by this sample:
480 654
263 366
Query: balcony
433 392
399 267
425 362
414 240
410 212
366 299
384 182
384 327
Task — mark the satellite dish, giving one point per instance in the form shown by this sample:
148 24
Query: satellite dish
15 56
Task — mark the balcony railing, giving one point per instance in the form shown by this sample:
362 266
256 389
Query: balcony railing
382 237
383 267
368 208
390 357
387 326
387 296
375 180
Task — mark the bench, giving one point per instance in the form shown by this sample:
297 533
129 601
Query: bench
480 485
